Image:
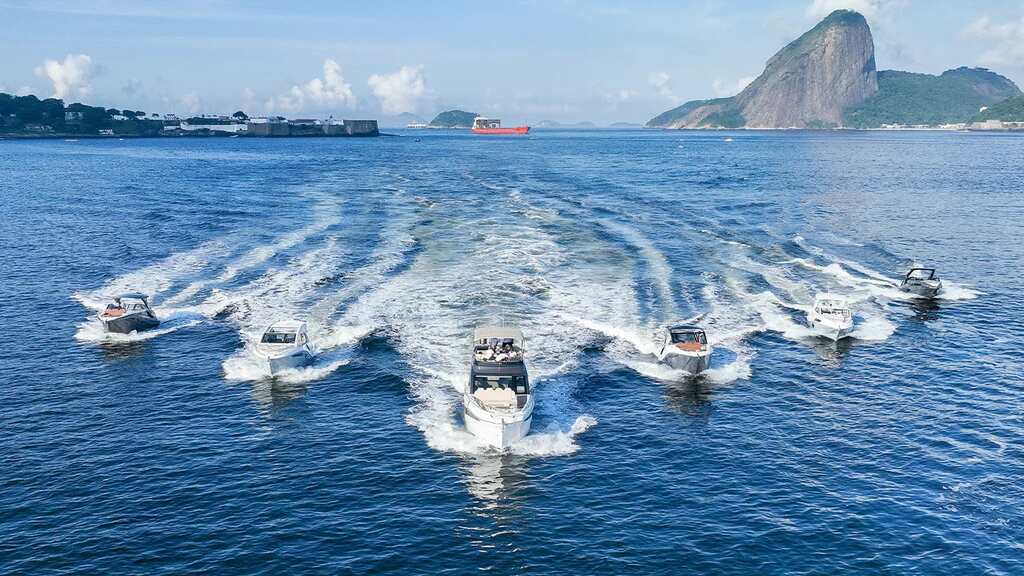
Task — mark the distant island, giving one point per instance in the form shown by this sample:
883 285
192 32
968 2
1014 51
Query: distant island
454 119
30 117
826 78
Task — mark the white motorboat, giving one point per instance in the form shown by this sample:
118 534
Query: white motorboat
922 282
497 403
686 348
831 316
128 313
285 346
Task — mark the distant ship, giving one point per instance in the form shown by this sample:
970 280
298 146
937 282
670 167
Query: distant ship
483 125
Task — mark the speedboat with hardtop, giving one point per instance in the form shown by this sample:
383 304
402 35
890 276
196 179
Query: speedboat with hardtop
285 346
498 403
922 282
831 316
686 348
128 313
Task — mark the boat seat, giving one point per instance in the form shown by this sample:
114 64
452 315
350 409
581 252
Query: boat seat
496 397
689 346
114 312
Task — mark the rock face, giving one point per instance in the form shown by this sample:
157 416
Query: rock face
807 84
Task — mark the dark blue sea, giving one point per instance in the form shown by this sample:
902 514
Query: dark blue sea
899 450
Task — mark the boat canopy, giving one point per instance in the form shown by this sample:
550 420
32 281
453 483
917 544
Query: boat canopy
130 296
485 335
921 273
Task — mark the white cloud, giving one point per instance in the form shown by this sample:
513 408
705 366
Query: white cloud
400 91
723 89
1007 39
329 91
70 77
821 8
20 91
662 85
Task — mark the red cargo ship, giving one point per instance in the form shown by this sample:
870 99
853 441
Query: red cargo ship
483 125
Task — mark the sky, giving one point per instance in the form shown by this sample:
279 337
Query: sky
600 61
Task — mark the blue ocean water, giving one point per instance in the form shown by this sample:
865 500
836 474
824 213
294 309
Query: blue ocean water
898 451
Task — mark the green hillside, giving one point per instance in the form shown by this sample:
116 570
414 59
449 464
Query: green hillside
908 98
1009 110
454 119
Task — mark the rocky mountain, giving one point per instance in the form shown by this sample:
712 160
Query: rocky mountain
454 119
807 84
915 99
827 78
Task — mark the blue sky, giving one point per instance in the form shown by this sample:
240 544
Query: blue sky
565 60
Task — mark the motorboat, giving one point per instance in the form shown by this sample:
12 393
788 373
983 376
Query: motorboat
831 316
497 403
128 313
922 282
686 348
285 346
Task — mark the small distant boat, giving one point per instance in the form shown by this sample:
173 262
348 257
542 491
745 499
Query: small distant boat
831 316
686 348
728 139
922 282
498 404
128 313
285 346
483 125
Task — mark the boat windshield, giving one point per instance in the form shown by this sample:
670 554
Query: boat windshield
275 337
834 308
689 338
518 384
921 274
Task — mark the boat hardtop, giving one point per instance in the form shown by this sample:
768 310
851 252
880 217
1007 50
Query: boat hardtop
832 305
497 344
285 333
127 303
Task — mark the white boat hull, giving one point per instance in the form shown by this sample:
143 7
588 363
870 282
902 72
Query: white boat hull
278 364
922 288
499 429
831 330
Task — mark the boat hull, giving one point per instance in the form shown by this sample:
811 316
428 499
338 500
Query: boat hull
922 289
496 430
692 363
831 331
503 131
278 364
129 323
